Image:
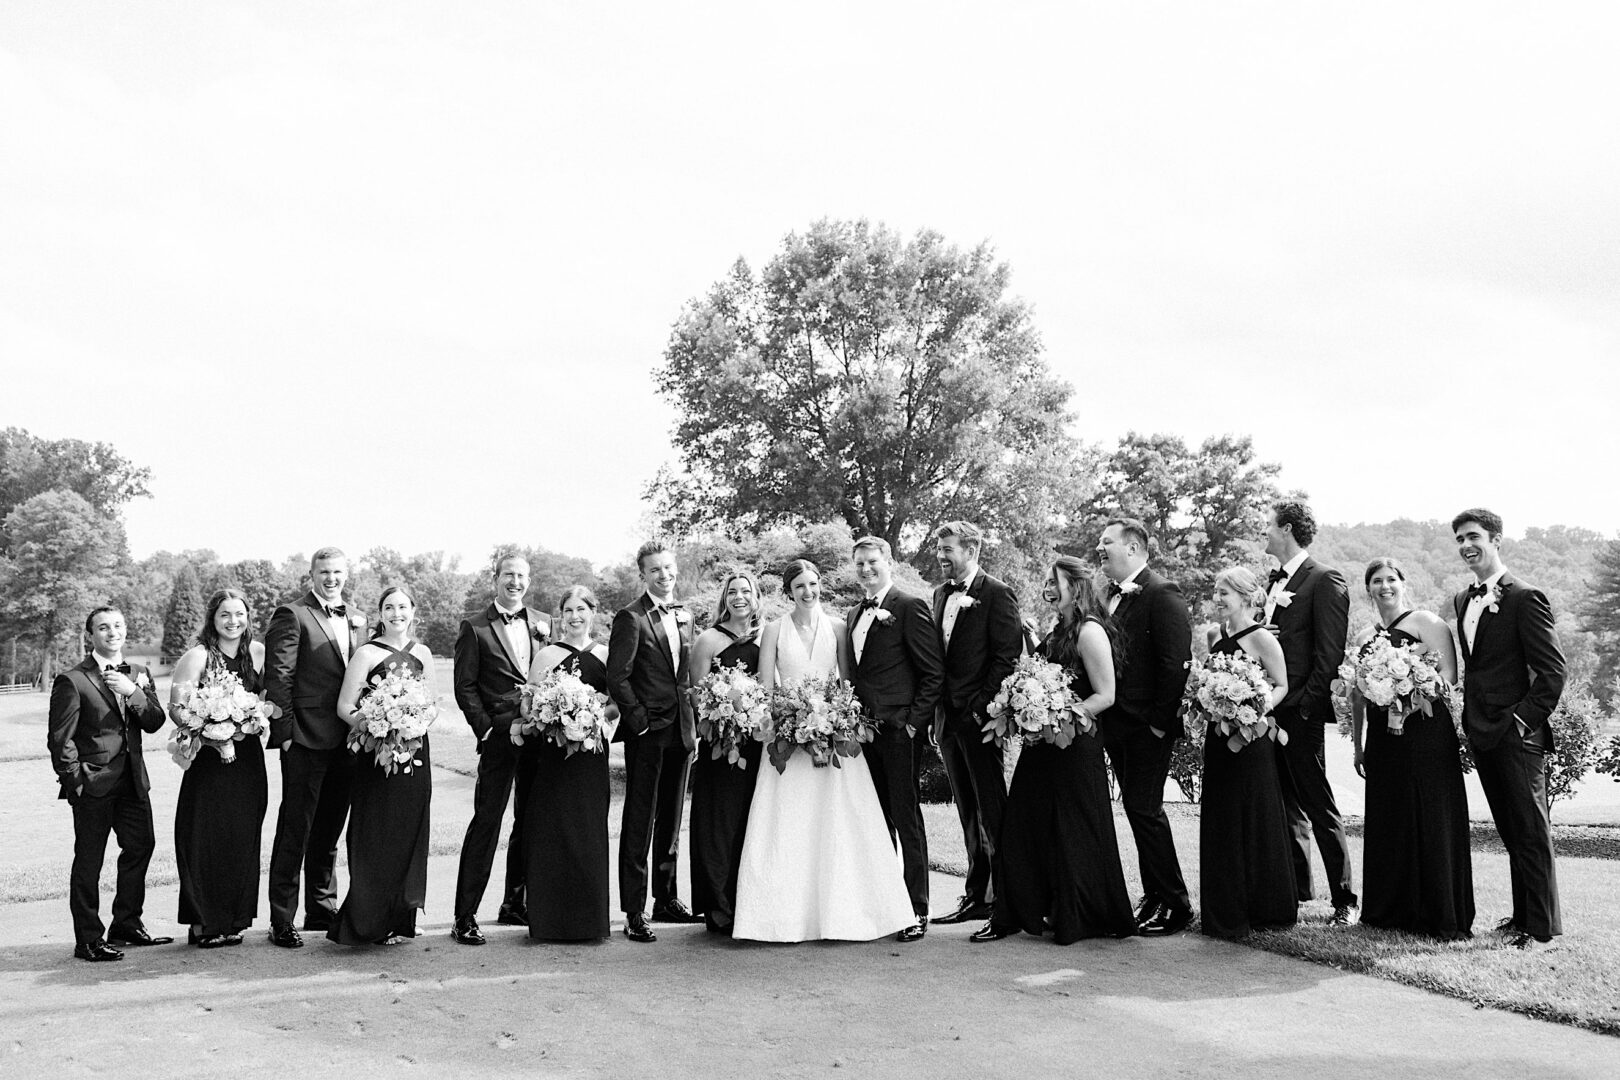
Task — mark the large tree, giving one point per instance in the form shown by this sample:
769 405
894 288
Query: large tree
890 383
184 617
59 563
1600 616
95 472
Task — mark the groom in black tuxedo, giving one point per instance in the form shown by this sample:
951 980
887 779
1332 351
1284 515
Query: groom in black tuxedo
894 664
1514 676
648 657
1140 731
1309 604
980 637
306 649
99 707
493 653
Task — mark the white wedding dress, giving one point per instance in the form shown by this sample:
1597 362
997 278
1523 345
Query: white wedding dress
817 861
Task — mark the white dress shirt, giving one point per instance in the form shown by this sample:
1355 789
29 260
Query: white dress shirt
1291 567
863 624
953 606
1476 607
516 634
672 632
338 625
1113 601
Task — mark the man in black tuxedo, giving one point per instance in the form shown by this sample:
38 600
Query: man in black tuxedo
1514 676
980 637
306 648
98 710
1140 731
648 656
493 653
894 664
1309 605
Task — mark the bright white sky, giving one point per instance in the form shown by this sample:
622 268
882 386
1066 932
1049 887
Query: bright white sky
390 273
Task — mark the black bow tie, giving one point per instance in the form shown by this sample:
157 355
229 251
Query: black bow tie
868 604
122 669
1114 590
955 586
668 609
1477 589
511 618
338 610
1276 575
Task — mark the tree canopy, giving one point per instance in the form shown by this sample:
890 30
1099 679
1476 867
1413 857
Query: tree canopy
96 472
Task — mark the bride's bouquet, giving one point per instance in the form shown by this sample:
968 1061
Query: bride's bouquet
562 708
1036 703
1231 691
732 710
820 716
395 714
1401 679
219 712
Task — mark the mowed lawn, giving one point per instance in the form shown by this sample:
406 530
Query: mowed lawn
1576 982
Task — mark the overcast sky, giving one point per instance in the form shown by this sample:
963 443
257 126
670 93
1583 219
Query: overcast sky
395 273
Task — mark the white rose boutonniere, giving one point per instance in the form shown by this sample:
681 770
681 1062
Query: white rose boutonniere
683 617
882 615
142 681
962 604
357 621
1284 598
1493 599
1130 588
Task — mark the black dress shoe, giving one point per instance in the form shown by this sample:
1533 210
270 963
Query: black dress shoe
636 928
218 941
1507 927
317 924
1146 909
513 914
1528 942
992 931
284 935
672 910
465 931
136 935
97 951
1165 922
967 910
914 932
1340 916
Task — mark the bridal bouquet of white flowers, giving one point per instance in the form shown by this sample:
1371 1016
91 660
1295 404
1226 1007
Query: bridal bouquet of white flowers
1231 691
732 710
1036 703
396 711
562 708
1401 679
219 712
820 716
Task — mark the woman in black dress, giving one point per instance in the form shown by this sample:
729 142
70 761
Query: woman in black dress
722 792
565 823
220 811
1057 863
1417 872
1245 869
388 812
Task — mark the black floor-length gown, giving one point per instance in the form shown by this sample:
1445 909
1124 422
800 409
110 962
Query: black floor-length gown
1058 851
1245 862
721 795
1417 872
217 823
387 839
565 829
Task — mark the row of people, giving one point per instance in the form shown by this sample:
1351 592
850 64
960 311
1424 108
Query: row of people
1040 856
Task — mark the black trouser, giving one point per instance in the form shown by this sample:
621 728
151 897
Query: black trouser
895 758
314 805
1310 808
1514 776
1141 760
126 813
505 773
656 764
979 788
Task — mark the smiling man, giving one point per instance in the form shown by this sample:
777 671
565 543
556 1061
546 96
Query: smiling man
1514 676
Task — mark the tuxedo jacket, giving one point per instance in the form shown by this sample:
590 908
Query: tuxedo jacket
648 687
92 744
1514 666
488 678
986 640
899 676
1312 629
303 672
1156 633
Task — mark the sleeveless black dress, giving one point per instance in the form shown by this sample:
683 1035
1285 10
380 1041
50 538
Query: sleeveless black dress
1417 871
565 830
1245 861
1058 851
387 840
218 819
721 795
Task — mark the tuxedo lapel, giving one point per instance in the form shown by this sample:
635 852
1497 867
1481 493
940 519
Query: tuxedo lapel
497 629
317 611
92 666
650 613
1487 617
940 596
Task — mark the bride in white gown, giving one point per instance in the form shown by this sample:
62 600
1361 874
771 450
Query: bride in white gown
817 861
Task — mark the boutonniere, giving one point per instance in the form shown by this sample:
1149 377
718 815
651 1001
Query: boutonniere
962 604
357 621
683 617
1284 598
1493 599
882 615
142 681
1130 588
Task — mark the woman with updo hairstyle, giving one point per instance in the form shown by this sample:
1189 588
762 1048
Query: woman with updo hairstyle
1417 871
220 812
565 822
721 791
388 812
1245 864
1057 859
